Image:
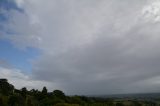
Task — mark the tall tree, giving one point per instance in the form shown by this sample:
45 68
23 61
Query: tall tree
24 92
44 91
5 87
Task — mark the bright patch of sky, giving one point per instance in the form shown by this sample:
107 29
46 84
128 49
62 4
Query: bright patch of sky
152 11
20 59
13 57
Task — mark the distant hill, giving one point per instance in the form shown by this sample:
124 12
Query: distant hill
136 95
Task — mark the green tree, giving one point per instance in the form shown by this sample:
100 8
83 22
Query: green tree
44 91
5 87
59 94
24 92
16 100
29 102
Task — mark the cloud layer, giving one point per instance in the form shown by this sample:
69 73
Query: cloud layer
90 46
20 79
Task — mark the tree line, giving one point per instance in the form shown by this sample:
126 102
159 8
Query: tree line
10 96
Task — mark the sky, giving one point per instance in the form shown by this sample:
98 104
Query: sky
84 47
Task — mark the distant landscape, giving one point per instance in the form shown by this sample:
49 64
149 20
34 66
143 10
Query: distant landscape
10 96
79 52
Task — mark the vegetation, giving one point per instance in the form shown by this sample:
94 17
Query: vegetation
9 96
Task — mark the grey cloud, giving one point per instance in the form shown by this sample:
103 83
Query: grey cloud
91 47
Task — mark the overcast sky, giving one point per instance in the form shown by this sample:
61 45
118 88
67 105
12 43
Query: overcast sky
81 46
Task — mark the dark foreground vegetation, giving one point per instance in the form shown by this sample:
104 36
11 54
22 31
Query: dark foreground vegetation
9 96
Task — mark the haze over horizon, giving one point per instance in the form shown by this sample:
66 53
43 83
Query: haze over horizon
81 46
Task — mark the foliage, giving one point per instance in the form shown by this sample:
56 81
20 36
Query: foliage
9 96
5 87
